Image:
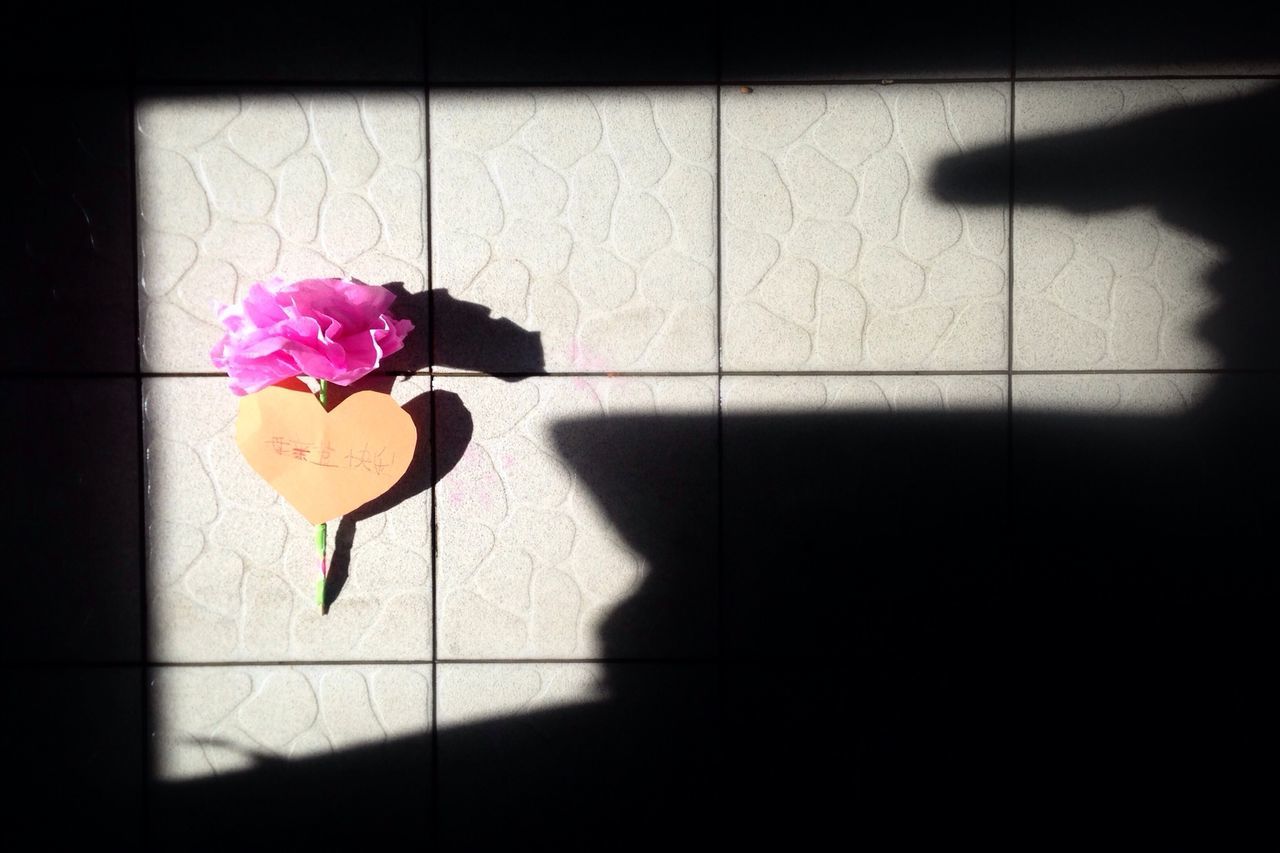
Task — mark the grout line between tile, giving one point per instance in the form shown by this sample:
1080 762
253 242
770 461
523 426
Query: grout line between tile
722 709
299 662
692 660
145 709
1013 51
1009 330
440 374
719 242
720 580
717 81
69 663
201 87
607 374
1051 78
187 86
432 662
433 813
1146 371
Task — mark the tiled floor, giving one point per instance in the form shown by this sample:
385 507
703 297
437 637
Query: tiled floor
643 311
239 188
589 217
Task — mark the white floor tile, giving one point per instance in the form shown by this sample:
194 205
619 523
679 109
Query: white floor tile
836 253
231 567
586 215
234 189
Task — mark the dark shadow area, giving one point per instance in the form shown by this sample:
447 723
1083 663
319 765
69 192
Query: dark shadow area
1094 37
71 735
244 42
1084 655
408 42
69 246
867 41
572 41
48 45
468 338
878 41
1141 597
69 520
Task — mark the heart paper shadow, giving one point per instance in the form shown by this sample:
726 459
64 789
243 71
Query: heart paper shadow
453 434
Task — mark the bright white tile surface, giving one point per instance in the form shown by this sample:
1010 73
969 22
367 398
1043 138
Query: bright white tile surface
231 567
234 189
529 563
836 255
587 215
212 720
1114 289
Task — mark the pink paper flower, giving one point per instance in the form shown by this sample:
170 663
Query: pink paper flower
328 328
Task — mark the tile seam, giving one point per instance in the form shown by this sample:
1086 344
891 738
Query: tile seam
433 793
144 618
1009 328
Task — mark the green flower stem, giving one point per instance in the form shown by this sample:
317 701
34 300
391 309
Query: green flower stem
322 529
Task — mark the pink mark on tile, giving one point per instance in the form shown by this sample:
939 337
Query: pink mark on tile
585 359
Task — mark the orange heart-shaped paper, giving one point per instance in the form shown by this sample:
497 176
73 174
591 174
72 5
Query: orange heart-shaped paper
325 463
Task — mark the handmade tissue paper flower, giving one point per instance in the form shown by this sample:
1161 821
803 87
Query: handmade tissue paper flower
325 462
328 328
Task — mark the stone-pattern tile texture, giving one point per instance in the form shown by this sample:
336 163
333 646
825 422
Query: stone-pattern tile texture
836 255
231 567
234 189
1122 288
585 215
530 563
220 719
